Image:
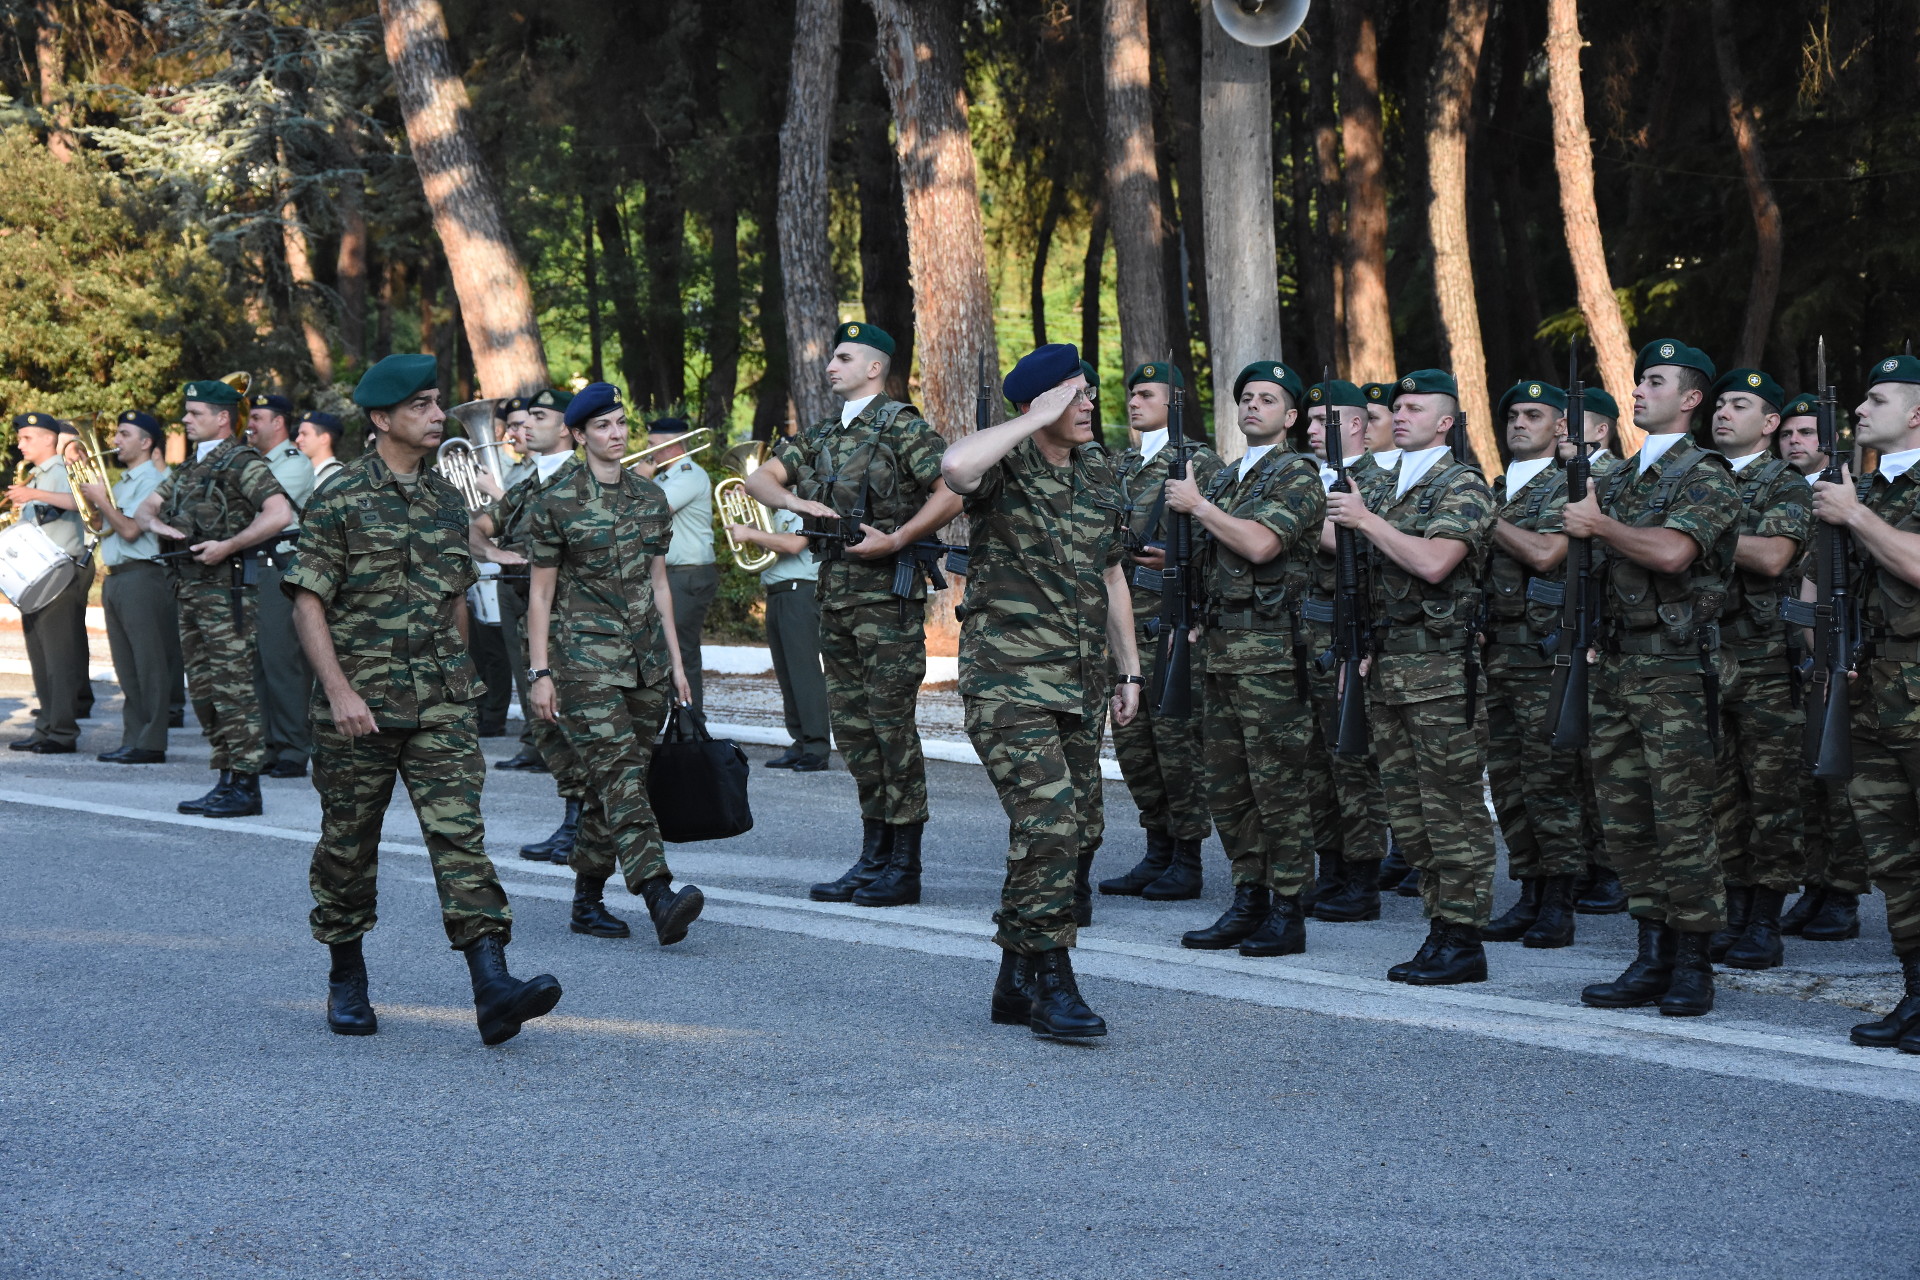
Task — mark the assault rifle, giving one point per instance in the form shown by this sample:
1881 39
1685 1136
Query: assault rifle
1351 628
1836 619
1174 672
1567 722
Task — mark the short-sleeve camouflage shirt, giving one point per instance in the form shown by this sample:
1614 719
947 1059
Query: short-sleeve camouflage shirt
216 497
1430 625
1776 502
390 563
1691 490
1141 483
606 625
1284 493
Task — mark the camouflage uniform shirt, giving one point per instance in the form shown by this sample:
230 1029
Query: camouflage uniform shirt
216 497
1142 482
1775 503
1514 622
606 625
1426 627
1252 610
1690 490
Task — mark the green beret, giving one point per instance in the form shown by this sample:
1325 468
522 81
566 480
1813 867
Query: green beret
45 421
1337 392
867 335
1598 401
1426 382
1275 372
210 391
1895 369
1673 351
1091 374
551 398
1156 371
1533 392
1749 380
1377 392
395 378
1804 405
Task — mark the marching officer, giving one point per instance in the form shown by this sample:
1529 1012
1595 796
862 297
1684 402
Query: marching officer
55 633
280 673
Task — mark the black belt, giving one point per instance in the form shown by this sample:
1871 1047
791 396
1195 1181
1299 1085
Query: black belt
792 584
124 565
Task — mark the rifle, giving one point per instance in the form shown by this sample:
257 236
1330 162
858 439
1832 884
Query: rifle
1836 622
1351 629
1174 673
1567 706
919 560
1461 447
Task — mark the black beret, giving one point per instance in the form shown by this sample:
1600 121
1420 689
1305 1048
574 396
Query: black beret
1156 371
1804 405
1673 351
1337 392
591 401
279 404
867 335
1426 382
1749 380
1895 369
1271 371
550 398
1533 391
395 378
1040 370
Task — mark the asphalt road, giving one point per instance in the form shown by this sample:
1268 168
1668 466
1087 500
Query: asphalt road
801 1090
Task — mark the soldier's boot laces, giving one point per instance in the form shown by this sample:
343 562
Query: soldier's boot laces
1691 993
1399 972
1358 897
876 846
1456 957
242 798
1283 934
349 1012
1058 1010
1554 925
1739 910
899 884
1902 1024
1158 858
1837 919
1520 917
1012 991
557 847
1643 981
1394 867
1602 894
1083 891
199 803
1759 945
590 914
502 1002
673 913
1182 880
1243 917
1803 910
1333 874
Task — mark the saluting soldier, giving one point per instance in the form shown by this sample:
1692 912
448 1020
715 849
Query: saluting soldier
1047 602
600 632
1669 529
280 672
379 589
1159 757
55 633
879 460
223 502
1429 536
1262 516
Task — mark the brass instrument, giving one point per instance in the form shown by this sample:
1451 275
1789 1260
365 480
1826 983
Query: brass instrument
737 506
240 380
22 472
86 461
685 440
460 461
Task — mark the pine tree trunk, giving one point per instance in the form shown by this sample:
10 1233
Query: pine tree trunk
1042 249
1767 230
1091 275
886 286
1454 72
303 296
806 252
350 271
723 326
1133 183
623 286
1369 314
596 340
771 398
1573 161
1176 33
51 62
496 302
662 241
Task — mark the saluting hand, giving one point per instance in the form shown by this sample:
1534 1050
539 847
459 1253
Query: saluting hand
808 507
165 530
1836 503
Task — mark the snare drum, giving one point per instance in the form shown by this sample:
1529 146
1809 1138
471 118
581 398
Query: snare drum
33 569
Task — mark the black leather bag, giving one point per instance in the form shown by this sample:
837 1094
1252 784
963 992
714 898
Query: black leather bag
698 784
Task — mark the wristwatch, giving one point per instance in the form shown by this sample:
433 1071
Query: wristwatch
538 673
1139 680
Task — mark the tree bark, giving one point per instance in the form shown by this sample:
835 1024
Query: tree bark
723 327
496 302
624 288
1767 229
806 256
51 62
1328 269
383 318
350 271
771 397
596 340
886 286
1369 314
1042 248
663 243
1133 183
1176 33
1091 274
1573 162
303 295
1455 71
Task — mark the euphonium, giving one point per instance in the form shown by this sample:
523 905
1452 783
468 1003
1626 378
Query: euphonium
737 506
460 461
86 464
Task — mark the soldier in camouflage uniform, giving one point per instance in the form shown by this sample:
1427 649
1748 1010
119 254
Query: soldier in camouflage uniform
221 503
600 632
379 595
872 476
1757 815
1047 602
1261 518
1159 758
1666 546
1429 537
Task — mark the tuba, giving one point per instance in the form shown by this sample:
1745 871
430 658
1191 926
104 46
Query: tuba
460 461
240 380
737 506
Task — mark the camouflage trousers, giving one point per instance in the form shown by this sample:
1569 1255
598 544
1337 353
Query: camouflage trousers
1046 767
1431 761
1538 792
875 664
1344 801
443 772
611 731
1835 857
1160 760
1654 777
1756 809
549 739
1885 791
219 659
1260 740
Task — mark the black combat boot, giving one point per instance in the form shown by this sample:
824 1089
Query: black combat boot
1837 919
1759 945
1456 957
1182 880
1058 1010
1519 918
1645 980
1554 925
1690 994
1409 887
557 847
242 798
1333 874
1602 894
501 1002
899 884
525 760
1739 908
1802 910
876 846
590 914
672 912
1283 934
1904 1020
199 804
1357 898
1428 945
1083 892
1147 870
348 1011
1240 921
1395 867
1012 994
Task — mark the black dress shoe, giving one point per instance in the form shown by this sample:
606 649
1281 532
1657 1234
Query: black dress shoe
785 760
1456 957
527 760
1243 917
501 1002
1283 934
1158 858
25 744
114 756
1012 1002
809 764
47 748
287 769
178 720
135 755
672 912
590 914
349 1012
1058 1011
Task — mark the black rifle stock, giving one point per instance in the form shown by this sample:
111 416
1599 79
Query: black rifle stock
1836 629
1351 627
1567 706
1174 673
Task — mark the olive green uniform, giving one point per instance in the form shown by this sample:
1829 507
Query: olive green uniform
281 677
56 633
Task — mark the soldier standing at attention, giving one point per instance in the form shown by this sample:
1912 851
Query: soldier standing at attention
1159 758
879 460
1799 435
136 598
55 633
1379 402
691 570
1429 538
1047 602
318 437
1262 517
793 640
280 674
1669 530
223 502
383 558
600 632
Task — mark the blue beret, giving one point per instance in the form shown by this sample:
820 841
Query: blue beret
504 409
1598 401
1376 392
591 401
667 427
1156 371
1750 380
867 335
550 398
1039 370
1426 382
395 378
1271 371
144 422
45 421
1673 351
210 391
1337 392
1804 405
324 420
1533 391
279 404
1895 369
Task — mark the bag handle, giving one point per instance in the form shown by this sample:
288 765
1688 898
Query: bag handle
685 724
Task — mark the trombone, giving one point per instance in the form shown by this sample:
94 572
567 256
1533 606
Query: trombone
737 506
692 441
